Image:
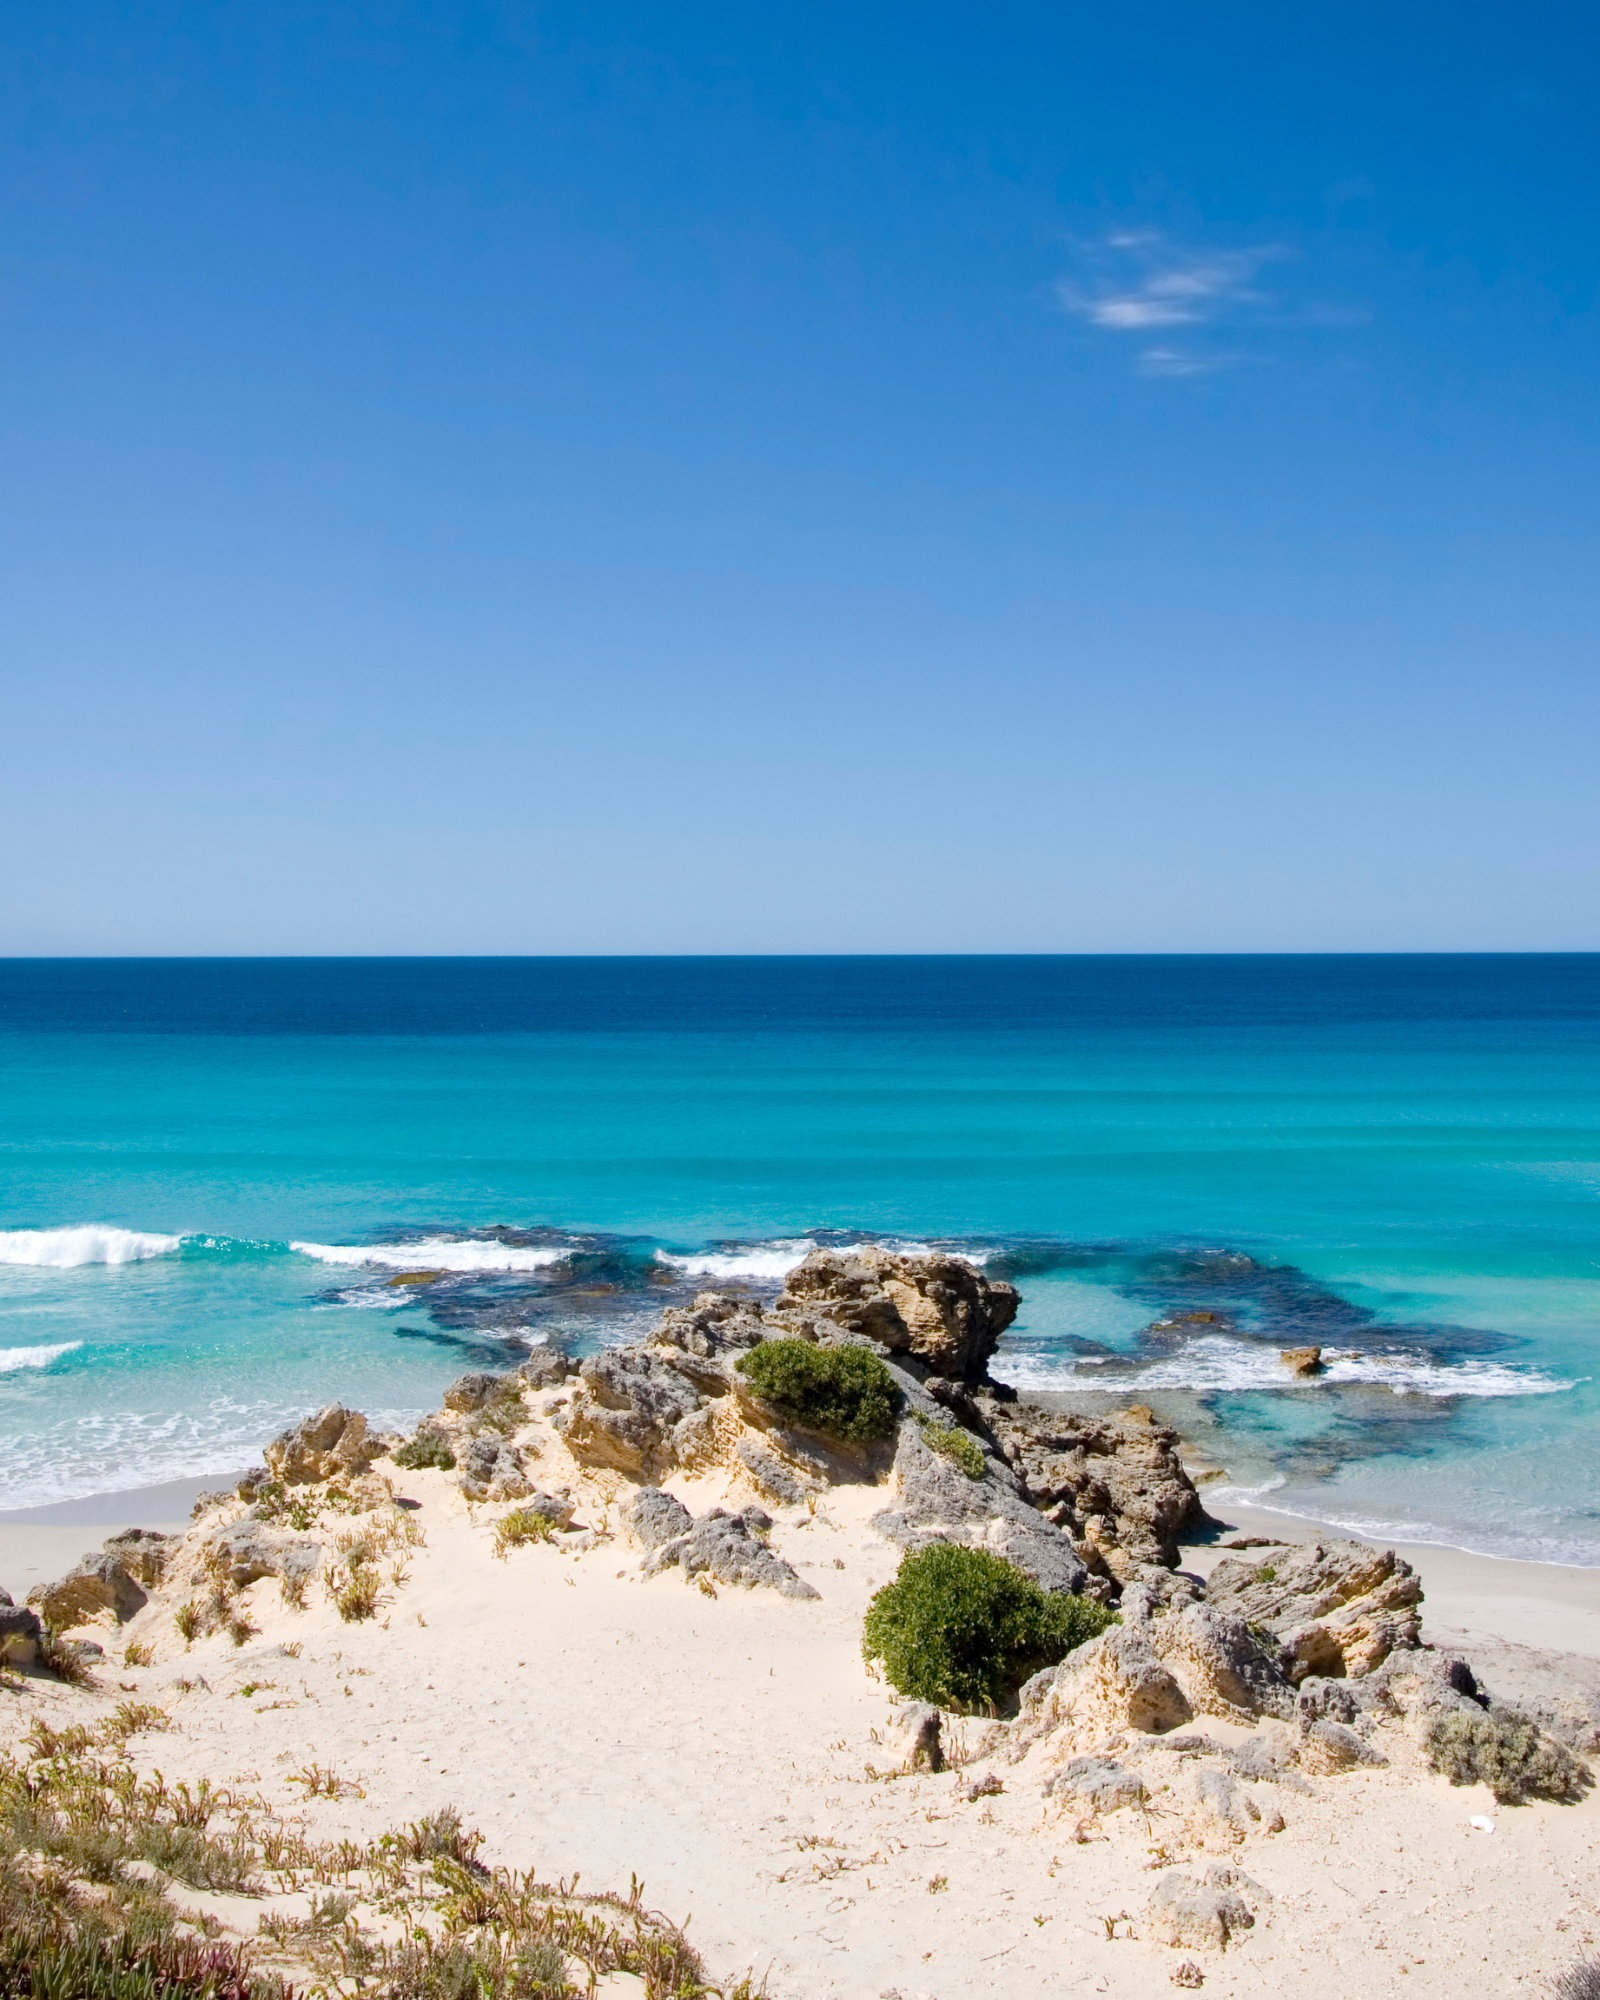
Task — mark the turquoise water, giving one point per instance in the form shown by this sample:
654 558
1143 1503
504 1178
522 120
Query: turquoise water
1398 1158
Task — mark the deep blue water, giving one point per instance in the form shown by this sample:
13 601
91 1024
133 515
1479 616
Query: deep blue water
1396 1156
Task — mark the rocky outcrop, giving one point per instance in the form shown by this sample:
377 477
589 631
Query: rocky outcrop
1223 1669
21 1633
489 1468
1115 1485
1115 1684
99 1584
246 1550
635 1404
1208 1915
143 1552
545 1367
331 1445
657 1518
471 1392
1097 1784
1339 1608
940 1309
937 1501
728 1548
1305 1362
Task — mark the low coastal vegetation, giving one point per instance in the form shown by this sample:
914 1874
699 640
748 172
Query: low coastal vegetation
960 1447
1509 1753
844 1392
90 1857
964 1628
428 1451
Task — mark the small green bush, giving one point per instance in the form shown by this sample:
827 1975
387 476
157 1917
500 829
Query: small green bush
427 1451
958 1446
845 1392
965 1629
1509 1753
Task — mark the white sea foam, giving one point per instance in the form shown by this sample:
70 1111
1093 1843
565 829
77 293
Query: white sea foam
13 1358
87 1243
762 1260
433 1253
779 1257
1215 1362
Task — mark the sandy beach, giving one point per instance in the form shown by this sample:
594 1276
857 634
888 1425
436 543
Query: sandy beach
732 1750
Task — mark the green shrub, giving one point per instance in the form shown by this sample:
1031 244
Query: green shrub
1509 1753
427 1451
960 1447
965 1629
845 1392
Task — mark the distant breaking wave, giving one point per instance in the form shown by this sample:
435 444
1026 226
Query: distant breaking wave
777 1258
89 1243
13 1358
433 1253
1213 1362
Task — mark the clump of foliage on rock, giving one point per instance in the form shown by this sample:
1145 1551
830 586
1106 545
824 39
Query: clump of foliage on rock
844 1392
956 1445
1509 1753
427 1451
965 1629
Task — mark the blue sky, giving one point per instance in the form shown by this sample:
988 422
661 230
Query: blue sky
732 479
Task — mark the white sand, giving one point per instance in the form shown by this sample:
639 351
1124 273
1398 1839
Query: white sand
720 1749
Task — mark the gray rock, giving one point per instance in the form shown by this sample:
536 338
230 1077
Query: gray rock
470 1392
246 1550
657 1517
1208 1915
1319 1698
1098 1783
332 1444
938 1502
635 1402
546 1366
1328 1747
21 1634
100 1583
922 1722
772 1475
940 1309
721 1545
490 1468
1217 1792
1268 1757
1224 1669
1116 1682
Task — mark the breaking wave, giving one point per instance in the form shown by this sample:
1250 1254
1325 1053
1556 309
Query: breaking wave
1213 1363
87 1243
764 1260
13 1358
434 1253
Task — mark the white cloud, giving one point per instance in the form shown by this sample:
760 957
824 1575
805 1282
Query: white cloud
1135 282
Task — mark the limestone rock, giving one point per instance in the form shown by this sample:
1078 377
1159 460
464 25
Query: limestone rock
143 1552
470 1392
723 1546
1115 1485
1302 1361
658 1518
1327 1747
1209 1914
709 1336
488 1468
1339 1608
940 1309
635 1402
244 1551
545 1367
100 1583
1218 1794
936 1501
1115 1683
1222 1667
1097 1783
21 1634
783 1481
333 1444
922 1722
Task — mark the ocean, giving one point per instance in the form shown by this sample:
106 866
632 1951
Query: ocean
215 1170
